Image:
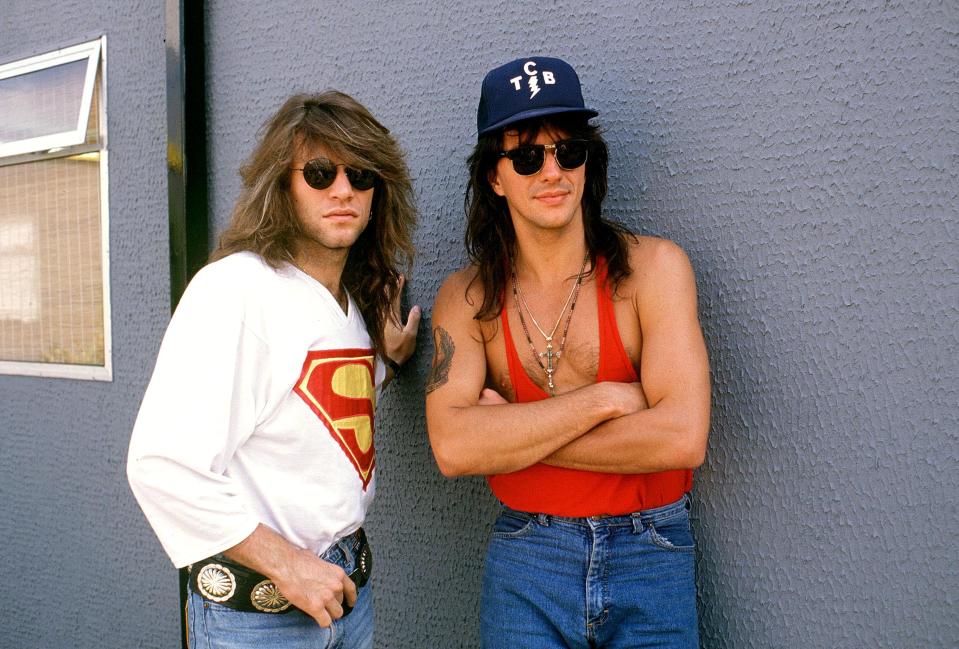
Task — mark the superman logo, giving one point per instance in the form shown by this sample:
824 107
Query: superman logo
337 385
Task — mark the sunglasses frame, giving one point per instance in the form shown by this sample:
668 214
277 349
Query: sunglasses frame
542 149
353 175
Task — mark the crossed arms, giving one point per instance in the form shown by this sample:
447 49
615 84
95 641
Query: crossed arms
607 427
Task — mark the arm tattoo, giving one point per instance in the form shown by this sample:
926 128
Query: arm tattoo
443 348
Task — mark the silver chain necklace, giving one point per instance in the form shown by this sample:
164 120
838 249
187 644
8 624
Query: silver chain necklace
552 358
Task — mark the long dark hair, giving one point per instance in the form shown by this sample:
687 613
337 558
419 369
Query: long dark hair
264 219
490 237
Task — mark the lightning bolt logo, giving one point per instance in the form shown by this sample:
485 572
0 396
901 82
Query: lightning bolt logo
533 86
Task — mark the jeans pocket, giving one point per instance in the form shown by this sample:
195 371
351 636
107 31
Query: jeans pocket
512 526
673 533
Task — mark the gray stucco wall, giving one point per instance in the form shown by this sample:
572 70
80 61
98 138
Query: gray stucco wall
80 566
804 155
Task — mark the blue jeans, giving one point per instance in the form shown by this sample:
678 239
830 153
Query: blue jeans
602 581
214 626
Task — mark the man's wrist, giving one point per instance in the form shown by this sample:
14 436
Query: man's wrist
393 365
610 400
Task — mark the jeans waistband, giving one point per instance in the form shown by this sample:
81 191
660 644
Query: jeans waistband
343 551
643 517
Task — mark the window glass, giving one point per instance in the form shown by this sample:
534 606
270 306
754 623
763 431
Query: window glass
44 102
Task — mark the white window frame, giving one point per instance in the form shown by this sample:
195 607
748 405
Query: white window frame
96 51
89 51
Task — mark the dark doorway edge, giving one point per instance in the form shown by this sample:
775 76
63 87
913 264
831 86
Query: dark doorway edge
186 162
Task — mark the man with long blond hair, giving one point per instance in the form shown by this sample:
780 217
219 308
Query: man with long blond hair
252 455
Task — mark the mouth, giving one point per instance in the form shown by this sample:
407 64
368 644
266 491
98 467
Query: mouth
552 197
341 215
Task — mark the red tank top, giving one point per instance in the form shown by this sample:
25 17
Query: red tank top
545 489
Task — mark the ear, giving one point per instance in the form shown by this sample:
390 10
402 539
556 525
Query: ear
493 178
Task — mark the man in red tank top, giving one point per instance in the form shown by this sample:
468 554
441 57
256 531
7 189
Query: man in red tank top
570 370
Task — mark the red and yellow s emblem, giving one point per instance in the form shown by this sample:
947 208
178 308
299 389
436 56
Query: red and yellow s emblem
337 385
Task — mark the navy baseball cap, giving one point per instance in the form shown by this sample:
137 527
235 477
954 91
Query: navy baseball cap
532 87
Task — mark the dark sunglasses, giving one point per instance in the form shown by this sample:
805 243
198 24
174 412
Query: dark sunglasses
319 173
528 159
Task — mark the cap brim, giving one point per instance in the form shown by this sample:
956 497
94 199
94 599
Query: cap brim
537 112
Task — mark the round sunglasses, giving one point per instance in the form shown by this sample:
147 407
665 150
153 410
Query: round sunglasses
319 173
528 159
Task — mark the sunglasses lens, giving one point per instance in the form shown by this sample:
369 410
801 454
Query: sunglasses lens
571 154
319 173
527 159
361 179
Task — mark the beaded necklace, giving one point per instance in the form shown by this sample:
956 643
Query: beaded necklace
552 358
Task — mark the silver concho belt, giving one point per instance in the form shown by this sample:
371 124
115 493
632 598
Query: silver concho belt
225 582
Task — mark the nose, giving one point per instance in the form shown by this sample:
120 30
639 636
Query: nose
551 168
341 187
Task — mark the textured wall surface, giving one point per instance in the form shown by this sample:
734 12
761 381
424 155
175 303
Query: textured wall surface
80 567
803 153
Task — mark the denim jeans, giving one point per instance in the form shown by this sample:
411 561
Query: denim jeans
215 626
602 581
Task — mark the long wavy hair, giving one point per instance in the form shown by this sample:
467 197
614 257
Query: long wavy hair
490 236
264 219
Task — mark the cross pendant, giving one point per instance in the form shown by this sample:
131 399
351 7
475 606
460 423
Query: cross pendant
549 355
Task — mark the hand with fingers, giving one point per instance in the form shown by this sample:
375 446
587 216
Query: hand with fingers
318 588
399 338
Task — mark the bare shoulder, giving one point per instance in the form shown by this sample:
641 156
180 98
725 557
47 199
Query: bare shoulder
460 292
655 255
456 332
661 274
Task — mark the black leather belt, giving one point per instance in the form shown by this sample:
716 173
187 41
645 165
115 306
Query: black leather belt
225 582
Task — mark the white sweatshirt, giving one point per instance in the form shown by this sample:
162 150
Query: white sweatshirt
260 410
